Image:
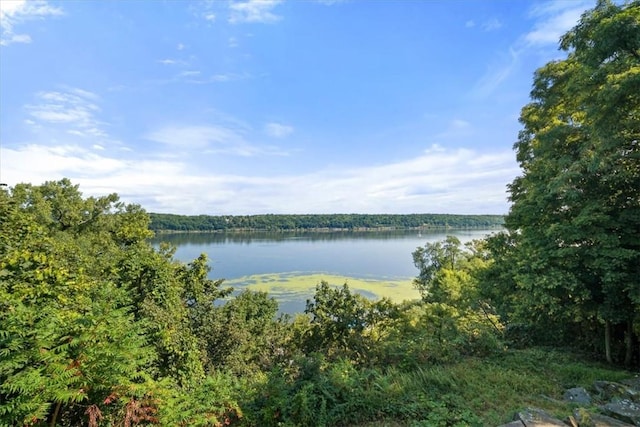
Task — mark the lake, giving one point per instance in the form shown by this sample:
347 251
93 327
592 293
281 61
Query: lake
289 265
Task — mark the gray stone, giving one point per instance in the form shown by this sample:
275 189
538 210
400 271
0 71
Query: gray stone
533 417
623 409
588 419
577 395
608 390
632 383
512 424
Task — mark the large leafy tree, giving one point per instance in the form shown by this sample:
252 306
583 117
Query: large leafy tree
95 323
68 339
575 218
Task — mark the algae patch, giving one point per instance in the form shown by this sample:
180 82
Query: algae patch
296 287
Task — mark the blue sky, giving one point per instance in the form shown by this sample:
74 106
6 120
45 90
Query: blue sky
267 106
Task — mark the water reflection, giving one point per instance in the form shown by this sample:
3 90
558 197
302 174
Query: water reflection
239 237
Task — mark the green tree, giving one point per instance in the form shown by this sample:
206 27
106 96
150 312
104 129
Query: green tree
438 278
346 324
575 217
68 340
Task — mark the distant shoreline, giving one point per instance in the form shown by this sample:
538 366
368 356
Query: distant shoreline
326 229
171 223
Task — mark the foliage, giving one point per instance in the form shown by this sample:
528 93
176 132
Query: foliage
345 324
171 222
68 340
573 256
98 327
454 319
244 334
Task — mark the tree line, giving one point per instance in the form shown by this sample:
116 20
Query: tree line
272 222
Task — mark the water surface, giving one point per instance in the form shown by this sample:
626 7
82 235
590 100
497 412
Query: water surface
290 264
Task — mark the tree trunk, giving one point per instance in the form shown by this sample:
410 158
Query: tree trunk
54 417
628 341
607 341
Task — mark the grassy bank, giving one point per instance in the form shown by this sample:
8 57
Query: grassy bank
471 392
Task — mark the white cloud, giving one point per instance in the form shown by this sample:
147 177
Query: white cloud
470 24
169 61
551 19
195 137
491 24
253 11
554 18
72 109
278 130
221 139
460 124
330 2
456 128
438 180
189 73
15 12
38 163
497 73
215 78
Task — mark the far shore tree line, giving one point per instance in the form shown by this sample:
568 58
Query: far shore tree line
320 222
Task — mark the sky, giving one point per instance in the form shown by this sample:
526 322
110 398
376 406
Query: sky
246 107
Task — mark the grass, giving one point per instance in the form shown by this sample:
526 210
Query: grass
495 388
471 392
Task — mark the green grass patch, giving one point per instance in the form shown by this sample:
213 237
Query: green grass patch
495 387
481 391
296 284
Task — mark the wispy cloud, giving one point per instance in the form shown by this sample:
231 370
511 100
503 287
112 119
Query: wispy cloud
15 12
437 180
74 110
278 130
170 61
217 78
330 2
553 19
492 24
550 19
208 139
254 11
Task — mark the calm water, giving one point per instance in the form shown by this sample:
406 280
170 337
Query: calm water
352 254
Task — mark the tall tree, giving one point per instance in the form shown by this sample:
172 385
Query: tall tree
69 346
575 216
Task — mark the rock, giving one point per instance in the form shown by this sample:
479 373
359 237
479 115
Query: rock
577 395
632 383
588 419
623 409
571 422
608 390
533 417
513 424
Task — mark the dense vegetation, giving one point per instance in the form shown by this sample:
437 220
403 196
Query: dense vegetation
570 259
97 327
170 222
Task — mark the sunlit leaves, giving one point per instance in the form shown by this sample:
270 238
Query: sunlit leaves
576 209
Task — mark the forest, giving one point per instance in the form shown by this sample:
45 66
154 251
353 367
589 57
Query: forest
100 328
170 222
